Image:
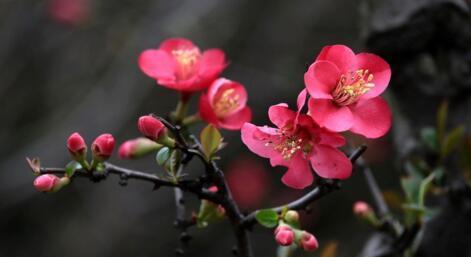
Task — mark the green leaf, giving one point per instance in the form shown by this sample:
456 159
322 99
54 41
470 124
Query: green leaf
267 218
411 187
430 139
413 170
209 213
424 186
442 114
71 168
452 140
162 155
210 140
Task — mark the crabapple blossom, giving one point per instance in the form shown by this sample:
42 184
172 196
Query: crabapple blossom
46 182
77 146
151 127
102 147
299 144
180 65
284 235
345 89
224 105
137 147
308 241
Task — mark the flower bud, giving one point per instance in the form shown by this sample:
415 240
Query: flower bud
308 242
284 235
151 127
137 147
46 182
77 146
292 217
361 209
102 147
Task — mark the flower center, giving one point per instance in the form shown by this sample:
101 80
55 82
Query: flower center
226 102
187 59
289 144
351 86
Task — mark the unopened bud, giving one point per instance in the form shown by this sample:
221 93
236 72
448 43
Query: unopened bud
46 182
365 212
102 147
284 235
77 146
138 147
151 127
292 217
308 242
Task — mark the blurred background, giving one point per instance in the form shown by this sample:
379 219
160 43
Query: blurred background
71 65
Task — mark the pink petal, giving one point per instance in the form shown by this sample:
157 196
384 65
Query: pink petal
300 102
281 115
236 120
329 162
341 56
299 174
219 86
206 111
327 114
212 63
252 137
372 118
380 70
176 44
321 78
157 64
331 138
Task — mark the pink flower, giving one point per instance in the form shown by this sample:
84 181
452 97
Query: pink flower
345 90
103 146
248 181
137 147
308 242
178 64
151 127
361 208
224 105
76 145
46 182
284 235
299 144
71 12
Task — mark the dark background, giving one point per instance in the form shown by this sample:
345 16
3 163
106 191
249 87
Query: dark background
58 78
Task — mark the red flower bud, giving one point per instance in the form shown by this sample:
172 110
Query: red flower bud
308 242
361 209
77 146
284 235
102 147
137 147
151 127
46 182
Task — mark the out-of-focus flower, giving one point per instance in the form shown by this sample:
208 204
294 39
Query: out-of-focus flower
73 12
308 241
46 182
248 180
180 65
138 147
77 146
284 235
345 90
102 147
151 127
224 105
292 217
298 143
361 208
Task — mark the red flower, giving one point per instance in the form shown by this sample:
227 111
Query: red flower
102 147
224 105
345 90
76 145
71 12
46 182
296 143
180 65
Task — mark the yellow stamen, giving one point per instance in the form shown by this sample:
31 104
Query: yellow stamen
351 86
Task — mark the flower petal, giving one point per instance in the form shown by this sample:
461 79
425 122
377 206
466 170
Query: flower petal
342 56
157 64
331 138
321 78
380 70
299 174
219 86
252 137
176 44
372 118
328 114
212 63
281 115
206 111
236 120
329 162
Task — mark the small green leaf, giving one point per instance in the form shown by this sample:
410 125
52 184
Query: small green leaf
267 218
162 155
452 140
442 114
411 186
71 168
413 170
210 140
430 139
424 186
